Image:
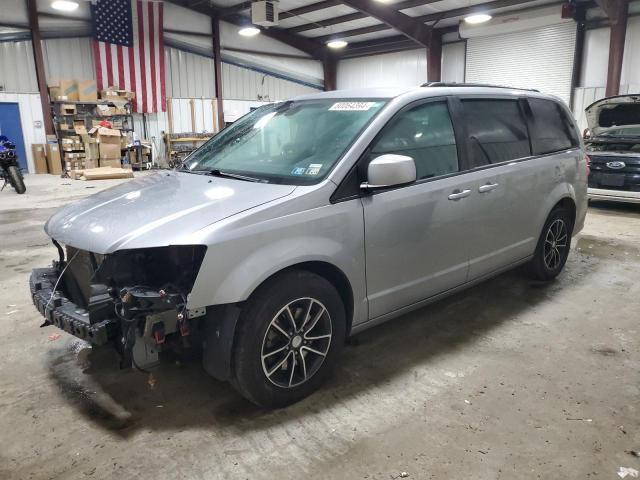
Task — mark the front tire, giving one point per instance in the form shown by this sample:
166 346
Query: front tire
291 332
553 246
15 179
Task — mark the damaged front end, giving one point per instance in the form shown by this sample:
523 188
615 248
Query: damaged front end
135 300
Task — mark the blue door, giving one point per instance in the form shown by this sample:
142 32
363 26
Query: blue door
11 128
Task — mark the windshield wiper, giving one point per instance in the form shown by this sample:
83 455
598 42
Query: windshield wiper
219 173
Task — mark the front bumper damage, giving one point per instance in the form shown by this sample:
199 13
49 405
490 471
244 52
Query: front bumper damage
116 300
63 313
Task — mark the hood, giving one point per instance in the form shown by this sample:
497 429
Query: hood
614 115
156 210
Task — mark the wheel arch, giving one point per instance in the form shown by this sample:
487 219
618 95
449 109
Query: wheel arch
334 275
569 204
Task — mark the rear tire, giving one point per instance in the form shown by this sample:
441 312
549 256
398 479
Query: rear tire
291 332
15 179
553 246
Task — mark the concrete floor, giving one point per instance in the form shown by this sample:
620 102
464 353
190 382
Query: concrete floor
510 379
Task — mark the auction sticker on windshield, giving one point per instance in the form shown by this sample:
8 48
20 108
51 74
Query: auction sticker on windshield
314 169
352 106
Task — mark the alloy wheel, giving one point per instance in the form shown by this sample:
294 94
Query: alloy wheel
555 244
296 342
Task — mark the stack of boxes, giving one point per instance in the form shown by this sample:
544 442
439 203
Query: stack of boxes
92 135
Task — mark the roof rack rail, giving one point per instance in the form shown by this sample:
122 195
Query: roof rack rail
455 84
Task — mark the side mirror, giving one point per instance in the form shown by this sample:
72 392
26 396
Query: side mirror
586 134
390 170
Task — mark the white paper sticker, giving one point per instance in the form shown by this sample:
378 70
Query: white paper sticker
313 169
352 106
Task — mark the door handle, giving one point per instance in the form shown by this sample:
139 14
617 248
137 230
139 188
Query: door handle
488 187
457 194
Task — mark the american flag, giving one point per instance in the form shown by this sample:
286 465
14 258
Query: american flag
129 50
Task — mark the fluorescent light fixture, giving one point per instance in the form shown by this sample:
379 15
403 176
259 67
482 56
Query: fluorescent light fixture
477 18
64 5
335 44
249 31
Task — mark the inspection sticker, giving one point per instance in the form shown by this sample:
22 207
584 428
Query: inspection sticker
352 106
313 169
298 171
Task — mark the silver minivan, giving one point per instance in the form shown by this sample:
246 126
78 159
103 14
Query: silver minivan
313 219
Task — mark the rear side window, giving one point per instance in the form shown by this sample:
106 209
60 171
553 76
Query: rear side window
551 128
496 131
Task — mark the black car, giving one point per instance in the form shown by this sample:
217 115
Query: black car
613 146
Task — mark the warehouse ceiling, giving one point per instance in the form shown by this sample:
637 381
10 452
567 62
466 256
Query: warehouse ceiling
369 26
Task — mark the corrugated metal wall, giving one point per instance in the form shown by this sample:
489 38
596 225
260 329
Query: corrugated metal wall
189 75
541 58
243 84
68 58
402 69
453 60
17 68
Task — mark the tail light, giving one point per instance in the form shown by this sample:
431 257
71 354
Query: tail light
587 159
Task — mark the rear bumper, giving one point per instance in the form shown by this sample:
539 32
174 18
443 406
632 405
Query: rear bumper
64 314
613 195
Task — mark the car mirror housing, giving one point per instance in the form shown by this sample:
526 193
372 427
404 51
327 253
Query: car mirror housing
390 170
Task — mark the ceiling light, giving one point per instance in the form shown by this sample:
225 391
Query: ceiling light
64 5
337 44
477 18
249 31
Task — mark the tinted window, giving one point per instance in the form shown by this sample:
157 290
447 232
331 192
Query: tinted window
551 129
424 133
496 131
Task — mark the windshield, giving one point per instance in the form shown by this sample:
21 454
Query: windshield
296 142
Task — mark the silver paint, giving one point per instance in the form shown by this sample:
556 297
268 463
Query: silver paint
419 243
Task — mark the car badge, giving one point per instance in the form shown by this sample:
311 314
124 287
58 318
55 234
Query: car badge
616 165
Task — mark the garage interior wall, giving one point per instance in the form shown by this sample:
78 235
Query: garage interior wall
593 78
401 69
540 58
453 62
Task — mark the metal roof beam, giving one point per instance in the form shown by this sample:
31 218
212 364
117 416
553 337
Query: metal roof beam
241 7
386 45
404 24
432 17
356 16
306 45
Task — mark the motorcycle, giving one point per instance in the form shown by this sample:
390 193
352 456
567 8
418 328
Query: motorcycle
9 169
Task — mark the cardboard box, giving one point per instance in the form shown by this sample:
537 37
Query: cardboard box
79 127
64 90
70 144
87 90
110 162
108 142
116 94
91 150
39 157
68 109
91 163
54 161
105 110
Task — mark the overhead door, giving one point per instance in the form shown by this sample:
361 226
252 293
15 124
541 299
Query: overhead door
541 58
